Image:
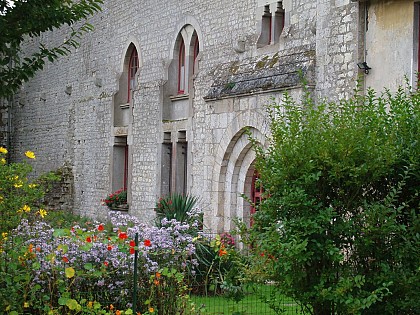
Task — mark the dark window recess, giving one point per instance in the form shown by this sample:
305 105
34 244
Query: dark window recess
256 194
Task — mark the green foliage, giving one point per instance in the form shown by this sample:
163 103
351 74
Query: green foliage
19 196
341 213
176 206
221 268
21 19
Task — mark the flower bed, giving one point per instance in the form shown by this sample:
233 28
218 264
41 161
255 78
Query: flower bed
69 270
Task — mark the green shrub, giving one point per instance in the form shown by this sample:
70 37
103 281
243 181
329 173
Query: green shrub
341 211
20 197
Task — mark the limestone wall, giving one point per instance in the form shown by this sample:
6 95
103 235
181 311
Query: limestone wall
65 114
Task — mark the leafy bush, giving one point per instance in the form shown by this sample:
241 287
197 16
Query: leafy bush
20 197
340 217
220 268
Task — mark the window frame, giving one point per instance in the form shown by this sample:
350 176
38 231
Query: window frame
181 67
133 66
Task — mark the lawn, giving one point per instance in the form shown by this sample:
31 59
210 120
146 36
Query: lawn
252 304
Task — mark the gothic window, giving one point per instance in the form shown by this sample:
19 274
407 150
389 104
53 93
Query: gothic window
122 119
181 68
184 63
133 66
196 51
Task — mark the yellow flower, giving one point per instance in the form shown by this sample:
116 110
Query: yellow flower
32 185
90 304
3 150
151 310
26 305
4 235
30 155
42 213
3 161
19 184
25 208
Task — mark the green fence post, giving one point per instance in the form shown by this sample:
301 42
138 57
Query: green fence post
136 242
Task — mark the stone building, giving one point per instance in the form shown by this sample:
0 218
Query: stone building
158 97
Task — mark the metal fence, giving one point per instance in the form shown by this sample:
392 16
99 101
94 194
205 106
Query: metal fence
258 299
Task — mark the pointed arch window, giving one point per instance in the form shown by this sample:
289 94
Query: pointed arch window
181 68
196 52
133 66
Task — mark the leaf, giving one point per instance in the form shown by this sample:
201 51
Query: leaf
72 304
70 272
62 301
88 266
59 233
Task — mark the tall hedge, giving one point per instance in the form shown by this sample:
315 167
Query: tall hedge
340 218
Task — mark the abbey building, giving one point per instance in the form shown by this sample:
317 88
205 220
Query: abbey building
158 97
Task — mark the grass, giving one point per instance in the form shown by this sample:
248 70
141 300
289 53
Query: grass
252 304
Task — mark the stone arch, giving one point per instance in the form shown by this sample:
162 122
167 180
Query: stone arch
233 169
122 120
187 20
131 40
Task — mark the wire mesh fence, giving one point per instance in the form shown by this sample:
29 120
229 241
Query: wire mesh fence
258 299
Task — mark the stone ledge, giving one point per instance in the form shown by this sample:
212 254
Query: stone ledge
263 74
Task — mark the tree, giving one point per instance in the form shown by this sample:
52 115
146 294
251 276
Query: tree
340 219
23 19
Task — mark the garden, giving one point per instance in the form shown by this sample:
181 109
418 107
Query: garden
337 232
53 262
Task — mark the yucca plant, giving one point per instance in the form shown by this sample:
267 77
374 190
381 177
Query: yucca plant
176 206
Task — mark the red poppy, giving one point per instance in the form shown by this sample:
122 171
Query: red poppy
132 243
109 247
106 263
122 236
100 227
147 243
65 259
89 239
132 250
